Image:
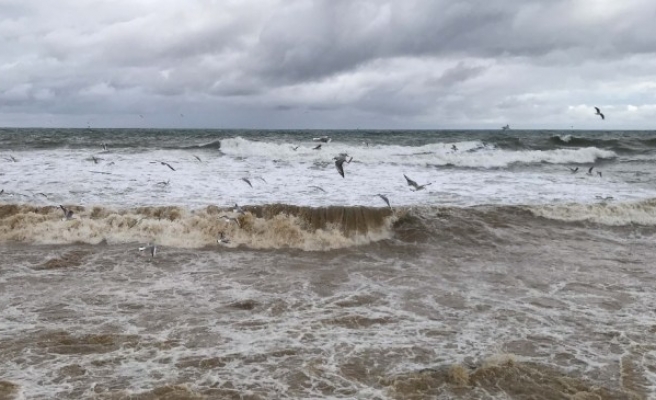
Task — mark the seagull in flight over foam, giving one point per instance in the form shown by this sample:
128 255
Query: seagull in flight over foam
599 113
318 147
318 188
295 148
322 139
104 146
198 158
151 248
231 219
68 214
12 158
590 170
247 181
222 239
574 170
385 199
414 184
168 165
339 164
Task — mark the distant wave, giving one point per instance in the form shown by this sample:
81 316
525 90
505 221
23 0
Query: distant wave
280 226
469 154
216 144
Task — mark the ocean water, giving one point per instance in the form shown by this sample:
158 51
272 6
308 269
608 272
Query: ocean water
508 275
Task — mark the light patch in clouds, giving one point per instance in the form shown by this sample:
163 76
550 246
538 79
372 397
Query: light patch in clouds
328 64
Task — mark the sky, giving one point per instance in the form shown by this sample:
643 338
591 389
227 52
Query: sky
328 64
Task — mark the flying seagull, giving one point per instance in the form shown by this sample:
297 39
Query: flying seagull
231 219
167 164
322 139
590 170
247 181
295 148
574 170
339 164
318 147
318 188
104 146
198 158
385 199
68 214
152 248
95 159
599 113
222 239
12 159
599 173
454 147
414 184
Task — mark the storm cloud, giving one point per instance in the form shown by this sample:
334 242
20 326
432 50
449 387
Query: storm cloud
328 63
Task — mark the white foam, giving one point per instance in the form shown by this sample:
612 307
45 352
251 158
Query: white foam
68 177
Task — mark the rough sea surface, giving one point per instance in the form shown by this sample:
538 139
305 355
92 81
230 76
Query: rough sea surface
509 276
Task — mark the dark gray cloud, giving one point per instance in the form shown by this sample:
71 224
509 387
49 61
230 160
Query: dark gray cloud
328 63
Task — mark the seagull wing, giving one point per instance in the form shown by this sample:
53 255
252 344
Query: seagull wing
339 164
598 111
168 165
385 199
410 181
247 181
590 170
602 116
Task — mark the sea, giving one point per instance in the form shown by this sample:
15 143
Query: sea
508 264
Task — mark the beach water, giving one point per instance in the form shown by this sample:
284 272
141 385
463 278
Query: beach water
509 276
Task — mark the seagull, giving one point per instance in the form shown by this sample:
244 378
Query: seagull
590 170
238 210
414 184
322 139
247 181
454 147
198 158
339 164
318 188
95 159
2 192
599 173
222 239
12 159
599 113
104 146
167 164
295 148
574 170
68 214
152 248
385 199
317 148
41 194
231 219
262 179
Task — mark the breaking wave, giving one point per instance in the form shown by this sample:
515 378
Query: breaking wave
261 227
280 226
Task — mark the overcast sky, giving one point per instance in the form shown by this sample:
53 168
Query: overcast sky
428 64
